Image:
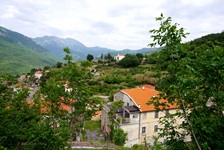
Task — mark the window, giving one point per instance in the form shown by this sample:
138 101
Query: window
156 114
143 129
167 112
156 128
135 115
127 104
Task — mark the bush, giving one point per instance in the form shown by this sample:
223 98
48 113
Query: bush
129 61
120 137
86 63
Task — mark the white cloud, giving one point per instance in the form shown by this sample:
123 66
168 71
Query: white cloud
109 23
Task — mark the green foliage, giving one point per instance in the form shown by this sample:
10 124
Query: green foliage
79 97
119 137
59 65
129 61
11 79
67 57
86 63
109 58
140 56
92 125
18 59
195 84
90 57
153 58
216 39
21 126
117 134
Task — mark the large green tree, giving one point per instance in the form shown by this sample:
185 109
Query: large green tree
90 57
194 82
130 60
67 86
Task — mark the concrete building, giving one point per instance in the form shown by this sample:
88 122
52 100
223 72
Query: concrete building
119 57
140 120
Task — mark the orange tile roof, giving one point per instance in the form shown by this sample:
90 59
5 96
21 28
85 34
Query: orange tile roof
98 112
45 108
142 95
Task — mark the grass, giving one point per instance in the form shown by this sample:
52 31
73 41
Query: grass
92 125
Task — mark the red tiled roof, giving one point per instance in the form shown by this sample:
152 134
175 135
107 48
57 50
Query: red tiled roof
45 108
142 95
98 112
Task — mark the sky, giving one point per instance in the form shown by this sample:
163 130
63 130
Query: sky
114 24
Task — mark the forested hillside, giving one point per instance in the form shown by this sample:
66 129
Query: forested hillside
17 59
19 54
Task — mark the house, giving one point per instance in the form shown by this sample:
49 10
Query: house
139 120
119 57
38 74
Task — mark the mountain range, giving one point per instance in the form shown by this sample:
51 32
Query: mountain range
78 50
20 53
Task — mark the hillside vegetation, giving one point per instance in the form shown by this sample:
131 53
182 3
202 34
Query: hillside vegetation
44 51
17 59
19 53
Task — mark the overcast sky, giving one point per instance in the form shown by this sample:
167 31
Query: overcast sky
116 24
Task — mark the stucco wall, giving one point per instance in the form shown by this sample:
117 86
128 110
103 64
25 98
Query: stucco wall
133 134
149 121
121 96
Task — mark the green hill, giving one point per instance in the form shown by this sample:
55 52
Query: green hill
17 59
19 53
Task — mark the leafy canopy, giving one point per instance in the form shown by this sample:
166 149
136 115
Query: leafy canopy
194 82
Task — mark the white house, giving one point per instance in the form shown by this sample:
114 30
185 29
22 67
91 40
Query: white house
140 120
119 57
38 74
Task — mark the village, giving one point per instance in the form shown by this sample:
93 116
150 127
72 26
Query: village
136 117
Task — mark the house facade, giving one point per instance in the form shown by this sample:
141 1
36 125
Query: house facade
119 57
140 120
38 74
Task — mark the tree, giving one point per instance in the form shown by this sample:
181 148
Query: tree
90 57
117 134
79 98
22 126
110 58
67 57
129 61
120 137
140 56
170 36
59 65
192 86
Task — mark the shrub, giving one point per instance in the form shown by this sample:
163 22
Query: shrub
86 63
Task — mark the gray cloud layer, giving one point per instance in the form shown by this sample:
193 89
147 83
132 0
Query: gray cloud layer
109 23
